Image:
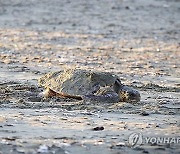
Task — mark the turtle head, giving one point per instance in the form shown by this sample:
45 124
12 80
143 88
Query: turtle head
128 94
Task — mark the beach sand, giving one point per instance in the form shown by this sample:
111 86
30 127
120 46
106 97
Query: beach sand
138 40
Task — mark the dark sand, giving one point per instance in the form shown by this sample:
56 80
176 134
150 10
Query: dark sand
139 40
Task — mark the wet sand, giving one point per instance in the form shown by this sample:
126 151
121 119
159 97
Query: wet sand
137 40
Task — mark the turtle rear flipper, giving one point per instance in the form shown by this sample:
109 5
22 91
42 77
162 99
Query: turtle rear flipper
51 93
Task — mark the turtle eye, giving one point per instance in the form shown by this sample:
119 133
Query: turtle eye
132 95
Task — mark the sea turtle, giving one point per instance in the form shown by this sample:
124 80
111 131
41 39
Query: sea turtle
87 85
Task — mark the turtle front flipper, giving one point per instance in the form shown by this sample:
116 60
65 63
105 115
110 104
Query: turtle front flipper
105 98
